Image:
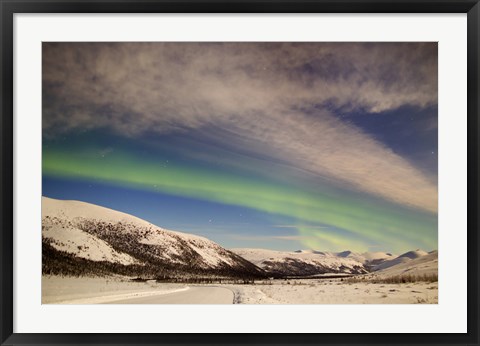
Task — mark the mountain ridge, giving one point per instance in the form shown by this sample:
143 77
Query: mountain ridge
97 234
314 262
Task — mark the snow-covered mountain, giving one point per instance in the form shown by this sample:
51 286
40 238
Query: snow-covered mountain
407 260
311 262
303 262
81 234
368 259
424 266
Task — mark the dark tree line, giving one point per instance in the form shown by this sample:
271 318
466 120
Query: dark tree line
57 262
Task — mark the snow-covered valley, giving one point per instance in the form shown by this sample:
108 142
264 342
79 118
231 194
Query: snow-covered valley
118 290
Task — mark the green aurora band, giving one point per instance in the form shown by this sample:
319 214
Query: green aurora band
365 222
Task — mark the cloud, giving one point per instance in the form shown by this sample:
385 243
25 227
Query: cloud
296 226
313 241
329 148
272 237
188 84
106 151
267 98
291 237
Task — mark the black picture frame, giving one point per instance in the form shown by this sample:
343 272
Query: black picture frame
10 7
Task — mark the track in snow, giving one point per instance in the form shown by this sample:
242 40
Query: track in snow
194 295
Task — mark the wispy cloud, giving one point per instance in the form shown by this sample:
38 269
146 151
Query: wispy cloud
189 84
343 153
269 98
313 241
272 237
290 237
296 226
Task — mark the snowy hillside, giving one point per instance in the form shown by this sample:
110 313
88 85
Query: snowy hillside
82 244
96 234
423 264
368 259
302 262
404 258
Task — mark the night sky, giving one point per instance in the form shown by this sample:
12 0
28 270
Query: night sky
286 146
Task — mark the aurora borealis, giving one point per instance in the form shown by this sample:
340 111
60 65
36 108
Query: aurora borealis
327 146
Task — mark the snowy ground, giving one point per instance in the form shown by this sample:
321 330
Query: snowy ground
336 292
58 290
200 294
72 290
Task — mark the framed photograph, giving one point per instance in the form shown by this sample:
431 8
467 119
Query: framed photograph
239 172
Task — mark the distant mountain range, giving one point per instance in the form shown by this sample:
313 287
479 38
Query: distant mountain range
301 262
311 263
85 239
